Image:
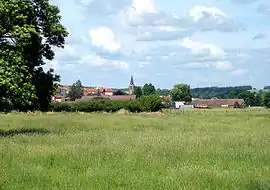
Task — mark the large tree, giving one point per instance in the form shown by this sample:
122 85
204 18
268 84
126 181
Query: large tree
29 29
266 99
138 91
181 92
148 89
76 91
249 97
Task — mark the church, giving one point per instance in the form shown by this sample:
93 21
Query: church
131 86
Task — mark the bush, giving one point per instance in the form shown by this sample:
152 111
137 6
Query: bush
266 100
62 107
134 106
150 103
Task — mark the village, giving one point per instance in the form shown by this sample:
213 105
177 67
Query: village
109 93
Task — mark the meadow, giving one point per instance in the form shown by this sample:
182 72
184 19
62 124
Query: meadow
195 149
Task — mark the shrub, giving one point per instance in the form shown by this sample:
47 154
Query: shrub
151 103
266 100
134 106
62 107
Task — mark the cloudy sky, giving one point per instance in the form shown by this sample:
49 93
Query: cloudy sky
198 42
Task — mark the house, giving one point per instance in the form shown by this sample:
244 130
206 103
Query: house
98 90
114 97
63 90
178 104
215 103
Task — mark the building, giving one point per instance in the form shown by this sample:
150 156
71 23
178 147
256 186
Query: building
217 103
131 86
63 90
114 97
98 90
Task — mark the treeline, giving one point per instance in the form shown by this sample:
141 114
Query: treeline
151 103
219 92
207 92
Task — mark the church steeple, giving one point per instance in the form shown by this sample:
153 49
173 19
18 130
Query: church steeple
131 86
131 81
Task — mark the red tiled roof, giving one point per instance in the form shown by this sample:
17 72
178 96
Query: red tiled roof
115 97
217 102
95 90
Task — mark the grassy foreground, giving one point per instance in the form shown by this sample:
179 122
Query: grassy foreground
198 149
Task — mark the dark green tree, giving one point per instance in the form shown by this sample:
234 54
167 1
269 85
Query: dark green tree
249 98
28 31
138 91
266 99
148 89
181 92
119 92
76 91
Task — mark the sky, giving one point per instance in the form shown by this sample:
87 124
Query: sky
198 42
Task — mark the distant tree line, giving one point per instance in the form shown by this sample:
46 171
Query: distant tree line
219 92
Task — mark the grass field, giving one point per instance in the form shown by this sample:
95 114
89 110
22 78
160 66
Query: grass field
198 149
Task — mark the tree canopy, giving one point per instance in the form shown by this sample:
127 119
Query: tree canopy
76 91
266 99
138 91
148 89
28 32
181 92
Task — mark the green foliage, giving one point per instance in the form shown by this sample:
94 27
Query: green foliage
151 103
138 91
266 100
249 97
28 31
181 92
148 89
119 92
219 92
76 91
163 92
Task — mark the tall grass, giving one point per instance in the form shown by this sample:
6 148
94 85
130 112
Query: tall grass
195 149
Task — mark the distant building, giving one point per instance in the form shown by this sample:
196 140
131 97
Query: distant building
131 86
114 97
98 90
215 103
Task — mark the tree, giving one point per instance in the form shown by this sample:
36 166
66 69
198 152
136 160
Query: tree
138 91
266 99
119 92
76 91
162 92
249 98
148 89
28 31
181 92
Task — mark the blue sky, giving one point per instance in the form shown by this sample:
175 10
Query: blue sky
198 42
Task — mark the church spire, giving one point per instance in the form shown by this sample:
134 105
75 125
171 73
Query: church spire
131 81
131 86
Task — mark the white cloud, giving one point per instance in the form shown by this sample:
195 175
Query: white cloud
98 61
104 38
199 12
239 72
223 65
219 65
144 6
203 49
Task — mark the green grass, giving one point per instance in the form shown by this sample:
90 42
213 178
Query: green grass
196 149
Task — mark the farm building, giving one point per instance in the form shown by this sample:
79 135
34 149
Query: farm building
215 103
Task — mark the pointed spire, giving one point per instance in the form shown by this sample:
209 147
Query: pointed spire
131 81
